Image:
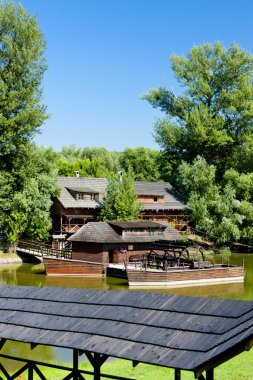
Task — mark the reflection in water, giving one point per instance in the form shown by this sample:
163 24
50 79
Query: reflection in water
34 275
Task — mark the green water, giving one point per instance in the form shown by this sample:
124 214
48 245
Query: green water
34 275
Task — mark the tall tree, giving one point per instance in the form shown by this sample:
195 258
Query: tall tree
22 65
142 162
213 116
120 202
214 209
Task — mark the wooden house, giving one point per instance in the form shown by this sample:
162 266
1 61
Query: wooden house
114 241
81 200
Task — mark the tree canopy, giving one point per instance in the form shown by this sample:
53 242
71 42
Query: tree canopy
120 201
26 174
206 138
213 116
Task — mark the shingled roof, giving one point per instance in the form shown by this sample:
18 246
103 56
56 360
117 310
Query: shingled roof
95 185
96 232
189 333
103 232
172 201
137 224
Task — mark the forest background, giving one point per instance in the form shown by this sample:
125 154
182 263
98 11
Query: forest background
205 138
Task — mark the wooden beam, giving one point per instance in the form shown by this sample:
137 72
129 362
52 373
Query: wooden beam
135 363
177 374
2 342
209 374
225 356
75 364
33 345
96 360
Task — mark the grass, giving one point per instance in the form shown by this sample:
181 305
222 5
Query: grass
7 255
238 368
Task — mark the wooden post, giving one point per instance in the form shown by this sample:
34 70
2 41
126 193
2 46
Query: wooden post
97 367
30 372
177 374
210 374
75 364
96 360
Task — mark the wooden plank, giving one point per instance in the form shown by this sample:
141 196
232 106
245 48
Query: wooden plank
129 325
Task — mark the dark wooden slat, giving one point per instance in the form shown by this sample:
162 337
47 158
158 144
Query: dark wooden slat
184 304
179 332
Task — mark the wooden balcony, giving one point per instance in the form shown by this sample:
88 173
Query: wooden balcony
71 228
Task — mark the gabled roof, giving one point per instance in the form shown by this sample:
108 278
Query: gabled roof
172 201
96 232
103 232
97 185
171 233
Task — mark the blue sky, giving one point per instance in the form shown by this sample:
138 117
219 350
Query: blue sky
102 55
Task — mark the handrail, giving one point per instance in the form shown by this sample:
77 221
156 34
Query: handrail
43 249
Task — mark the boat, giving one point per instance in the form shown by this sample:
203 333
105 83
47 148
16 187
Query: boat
158 269
179 277
61 266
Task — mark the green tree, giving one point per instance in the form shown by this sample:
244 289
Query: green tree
213 116
142 162
90 162
242 183
214 208
120 201
22 65
26 210
26 180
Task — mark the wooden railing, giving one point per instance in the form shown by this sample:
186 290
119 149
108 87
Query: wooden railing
41 249
34 369
71 228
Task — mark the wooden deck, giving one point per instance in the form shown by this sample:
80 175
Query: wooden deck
185 277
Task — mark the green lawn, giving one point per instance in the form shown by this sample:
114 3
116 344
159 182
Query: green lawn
239 368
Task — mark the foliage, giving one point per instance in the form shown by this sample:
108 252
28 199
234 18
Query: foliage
213 116
26 209
143 162
90 162
99 162
120 201
22 65
26 173
214 209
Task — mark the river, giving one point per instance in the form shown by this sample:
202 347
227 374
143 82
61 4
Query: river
34 275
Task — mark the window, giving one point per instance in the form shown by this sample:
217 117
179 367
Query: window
155 199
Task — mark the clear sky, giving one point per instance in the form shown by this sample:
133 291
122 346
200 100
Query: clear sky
102 55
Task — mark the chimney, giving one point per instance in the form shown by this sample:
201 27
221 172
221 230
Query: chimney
76 174
120 176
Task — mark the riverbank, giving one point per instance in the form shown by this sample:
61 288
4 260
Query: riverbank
9 258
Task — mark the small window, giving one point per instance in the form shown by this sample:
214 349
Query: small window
155 199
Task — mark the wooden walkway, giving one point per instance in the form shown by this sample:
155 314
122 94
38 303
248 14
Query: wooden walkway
184 333
39 249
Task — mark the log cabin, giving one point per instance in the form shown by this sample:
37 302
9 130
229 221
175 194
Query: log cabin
81 199
113 242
